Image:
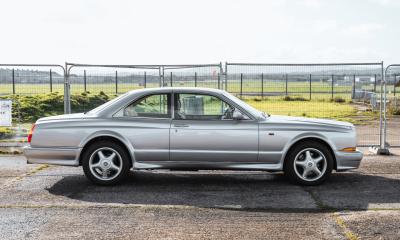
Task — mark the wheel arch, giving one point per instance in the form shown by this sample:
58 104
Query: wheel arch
314 138
109 136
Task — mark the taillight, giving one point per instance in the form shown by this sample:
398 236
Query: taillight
31 133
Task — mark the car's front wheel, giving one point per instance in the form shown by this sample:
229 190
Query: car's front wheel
309 163
105 163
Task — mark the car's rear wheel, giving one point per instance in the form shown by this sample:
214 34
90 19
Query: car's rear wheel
105 163
309 163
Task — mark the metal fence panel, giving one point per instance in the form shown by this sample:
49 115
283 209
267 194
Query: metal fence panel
103 82
351 92
392 132
29 79
193 76
314 90
27 85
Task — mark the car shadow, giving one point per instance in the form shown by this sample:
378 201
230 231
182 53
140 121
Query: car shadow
237 190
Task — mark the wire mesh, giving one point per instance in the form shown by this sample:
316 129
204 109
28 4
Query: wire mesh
35 91
28 80
103 82
347 92
392 78
193 76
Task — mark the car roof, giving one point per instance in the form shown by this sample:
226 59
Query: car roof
177 89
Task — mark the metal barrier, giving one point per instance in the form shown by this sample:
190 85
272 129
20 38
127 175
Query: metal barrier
355 92
314 90
22 83
28 79
116 79
392 103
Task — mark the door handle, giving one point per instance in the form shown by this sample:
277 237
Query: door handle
181 125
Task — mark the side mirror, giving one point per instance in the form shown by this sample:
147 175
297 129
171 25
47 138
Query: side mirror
237 115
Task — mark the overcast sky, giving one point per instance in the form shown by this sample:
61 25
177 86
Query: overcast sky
204 31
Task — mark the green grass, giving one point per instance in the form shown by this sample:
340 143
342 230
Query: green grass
249 86
315 109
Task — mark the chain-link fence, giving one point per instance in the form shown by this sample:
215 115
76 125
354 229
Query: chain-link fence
91 85
348 92
392 132
36 90
29 79
193 76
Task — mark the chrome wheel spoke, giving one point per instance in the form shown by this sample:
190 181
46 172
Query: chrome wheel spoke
104 174
317 171
305 173
318 159
114 167
308 155
101 155
301 163
96 165
112 156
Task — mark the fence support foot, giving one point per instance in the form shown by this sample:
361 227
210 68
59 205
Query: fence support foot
379 150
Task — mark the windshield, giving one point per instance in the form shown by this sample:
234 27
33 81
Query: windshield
105 105
246 106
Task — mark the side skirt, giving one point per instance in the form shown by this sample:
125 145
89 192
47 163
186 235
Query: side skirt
207 166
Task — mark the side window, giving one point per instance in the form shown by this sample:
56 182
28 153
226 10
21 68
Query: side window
153 106
202 107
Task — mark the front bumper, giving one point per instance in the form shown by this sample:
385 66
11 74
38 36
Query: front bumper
348 160
54 156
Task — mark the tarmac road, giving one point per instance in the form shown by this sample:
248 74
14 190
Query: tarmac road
41 202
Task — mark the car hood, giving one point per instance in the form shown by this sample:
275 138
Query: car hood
308 121
63 117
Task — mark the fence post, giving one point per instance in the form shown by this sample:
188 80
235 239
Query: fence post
67 98
241 84
354 86
13 81
332 86
385 149
116 82
145 79
219 81
195 79
226 76
161 74
310 86
51 81
394 85
286 85
375 84
171 79
84 81
262 85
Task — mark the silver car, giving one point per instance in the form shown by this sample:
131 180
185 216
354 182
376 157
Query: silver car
191 129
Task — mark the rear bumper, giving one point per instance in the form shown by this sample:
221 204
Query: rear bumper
55 156
348 160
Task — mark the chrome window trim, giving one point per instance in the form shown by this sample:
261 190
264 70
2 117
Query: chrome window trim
220 97
142 97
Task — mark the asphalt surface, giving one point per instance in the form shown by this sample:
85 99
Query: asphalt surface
49 202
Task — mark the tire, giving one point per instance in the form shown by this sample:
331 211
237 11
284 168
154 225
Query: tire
309 163
105 156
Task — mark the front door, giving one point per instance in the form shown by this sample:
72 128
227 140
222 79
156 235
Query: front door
146 122
203 130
